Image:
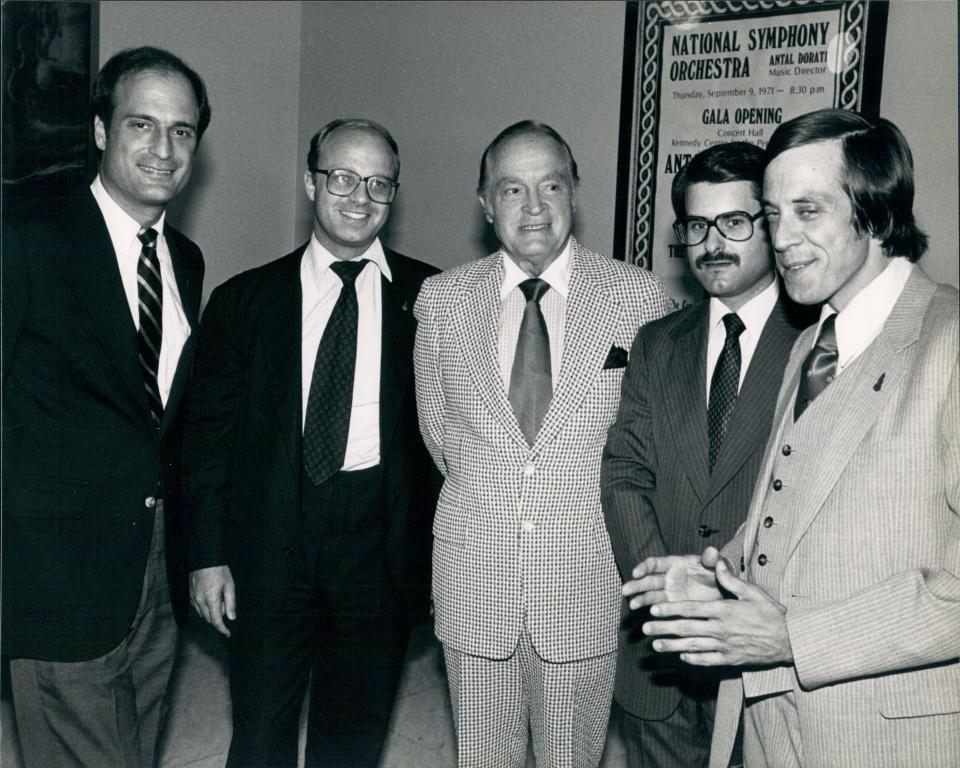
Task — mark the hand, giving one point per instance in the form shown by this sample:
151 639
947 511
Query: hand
673 578
750 630
214 596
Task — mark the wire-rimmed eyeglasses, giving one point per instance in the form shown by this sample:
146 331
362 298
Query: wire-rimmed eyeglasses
341 182
733 225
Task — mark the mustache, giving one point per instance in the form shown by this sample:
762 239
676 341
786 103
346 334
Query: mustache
714 258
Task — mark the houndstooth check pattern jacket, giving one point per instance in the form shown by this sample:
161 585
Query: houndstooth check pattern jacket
519 537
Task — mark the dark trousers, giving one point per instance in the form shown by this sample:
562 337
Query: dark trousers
681 740
108 711
336 619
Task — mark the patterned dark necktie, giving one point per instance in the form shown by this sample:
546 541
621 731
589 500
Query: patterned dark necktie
331 388
819 367
724 385
531 382
150 332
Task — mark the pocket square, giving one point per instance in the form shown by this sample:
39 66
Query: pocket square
616 358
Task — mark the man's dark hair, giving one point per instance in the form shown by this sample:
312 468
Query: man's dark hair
877 173
524 128
132 61
316 143
734 161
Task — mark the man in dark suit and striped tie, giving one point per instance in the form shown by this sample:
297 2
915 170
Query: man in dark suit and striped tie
695 411
100 301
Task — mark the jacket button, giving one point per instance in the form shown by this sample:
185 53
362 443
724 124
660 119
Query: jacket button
705 530
288 550
777 484
743 565
528 527
762 560
150 502
787 450
767 522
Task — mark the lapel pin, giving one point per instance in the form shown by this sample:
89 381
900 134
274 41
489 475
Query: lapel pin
876 387
403 307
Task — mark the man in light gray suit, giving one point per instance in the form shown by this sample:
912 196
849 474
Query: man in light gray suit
518 362
846 614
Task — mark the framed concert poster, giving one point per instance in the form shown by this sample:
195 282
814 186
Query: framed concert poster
49 54
703 73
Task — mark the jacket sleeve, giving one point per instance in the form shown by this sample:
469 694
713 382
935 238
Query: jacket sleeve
212 413
628 472
426 362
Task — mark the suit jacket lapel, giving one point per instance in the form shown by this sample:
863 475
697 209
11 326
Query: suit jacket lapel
687 409
589 328
189 284
748 425
851 405
91 264
280 304
396 342
476 322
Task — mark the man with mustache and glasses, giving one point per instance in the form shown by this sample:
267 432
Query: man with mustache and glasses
100 303
838 600
695 412
309 493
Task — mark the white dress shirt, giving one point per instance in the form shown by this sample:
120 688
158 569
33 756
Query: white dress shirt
862 319
126 246
321 289
553 305
754 315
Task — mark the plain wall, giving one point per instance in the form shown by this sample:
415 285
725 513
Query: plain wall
920 95
445 77
241 201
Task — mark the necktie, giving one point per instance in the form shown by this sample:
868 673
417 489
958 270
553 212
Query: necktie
724 385
819 367
331 388
150 332
531 383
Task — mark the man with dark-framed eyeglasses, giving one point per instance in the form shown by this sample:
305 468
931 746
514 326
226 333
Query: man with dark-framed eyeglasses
309 492
695 411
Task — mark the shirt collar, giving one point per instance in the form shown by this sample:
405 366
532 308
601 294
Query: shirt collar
320 259
557 275
860 321
754 313
123 228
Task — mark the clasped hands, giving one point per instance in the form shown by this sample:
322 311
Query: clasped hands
710 617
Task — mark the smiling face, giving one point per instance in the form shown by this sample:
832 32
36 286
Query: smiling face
732 271
346 226
529 199
149 146
819 252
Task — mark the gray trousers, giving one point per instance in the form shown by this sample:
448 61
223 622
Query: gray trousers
108 711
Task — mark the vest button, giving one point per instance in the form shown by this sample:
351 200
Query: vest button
777 484
787 450
767 522
762 560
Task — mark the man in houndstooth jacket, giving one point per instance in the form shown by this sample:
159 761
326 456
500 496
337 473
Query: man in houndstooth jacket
524 582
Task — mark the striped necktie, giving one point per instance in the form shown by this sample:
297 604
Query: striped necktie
150 333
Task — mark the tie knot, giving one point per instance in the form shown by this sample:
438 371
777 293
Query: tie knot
734 325
348 271
148 237
534 288
827 339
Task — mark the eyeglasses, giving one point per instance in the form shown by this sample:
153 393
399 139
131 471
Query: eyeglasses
733 225
342 183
